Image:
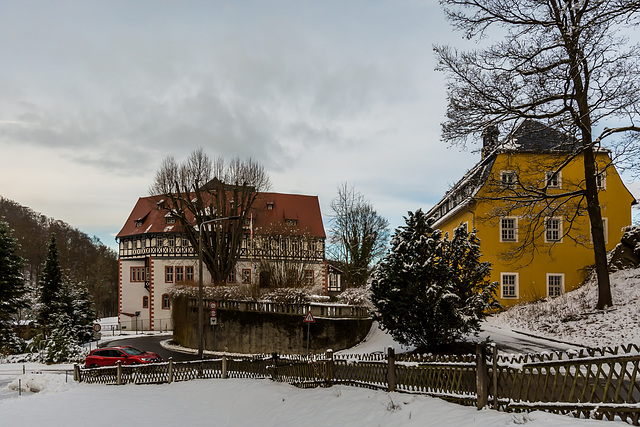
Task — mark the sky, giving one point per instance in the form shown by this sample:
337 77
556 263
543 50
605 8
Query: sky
94 94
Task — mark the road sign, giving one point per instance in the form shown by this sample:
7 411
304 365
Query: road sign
96 327
213 305
213 321
213 313
309 318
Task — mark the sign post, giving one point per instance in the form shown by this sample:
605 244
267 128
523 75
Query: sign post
213 320
309 320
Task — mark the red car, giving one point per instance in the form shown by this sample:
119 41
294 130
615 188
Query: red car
126 354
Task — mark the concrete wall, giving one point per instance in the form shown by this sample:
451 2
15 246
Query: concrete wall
259 332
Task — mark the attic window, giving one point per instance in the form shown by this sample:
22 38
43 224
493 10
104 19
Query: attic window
160 204
138 222
508 179
291 221
170 220
270 206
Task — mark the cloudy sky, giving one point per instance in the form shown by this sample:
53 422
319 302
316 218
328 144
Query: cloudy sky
94 94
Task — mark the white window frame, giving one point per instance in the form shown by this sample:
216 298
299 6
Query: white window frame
515 229
547 230
506 184
549 176
601 180
555 275
516 285
605 227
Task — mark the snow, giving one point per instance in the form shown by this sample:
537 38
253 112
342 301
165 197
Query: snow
244 402
572 317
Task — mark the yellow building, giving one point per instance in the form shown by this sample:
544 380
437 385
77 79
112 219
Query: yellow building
525 199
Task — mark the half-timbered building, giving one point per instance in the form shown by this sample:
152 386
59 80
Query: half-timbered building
283 245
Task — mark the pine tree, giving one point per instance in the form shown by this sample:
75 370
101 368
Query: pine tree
430 290
12 288
74 301
50 284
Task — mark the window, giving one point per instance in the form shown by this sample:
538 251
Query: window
166 302
145 302
508 179
509 229
269 206
605 229
170 220
334 283
168 274
291 222
232 276
555 285
509 285
601 180
308 277
171 240
554 179
185 242
553 230
189 273
179 274
138 222
246 275
137 274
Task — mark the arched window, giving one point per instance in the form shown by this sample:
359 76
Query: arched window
166 302
145 302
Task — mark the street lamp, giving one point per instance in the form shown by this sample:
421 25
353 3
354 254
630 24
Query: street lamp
200 293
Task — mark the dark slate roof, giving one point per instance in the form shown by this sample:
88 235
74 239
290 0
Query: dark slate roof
532 136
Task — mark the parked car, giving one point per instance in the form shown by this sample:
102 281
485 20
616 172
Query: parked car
126 354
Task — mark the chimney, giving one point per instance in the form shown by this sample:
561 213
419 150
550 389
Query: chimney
489 140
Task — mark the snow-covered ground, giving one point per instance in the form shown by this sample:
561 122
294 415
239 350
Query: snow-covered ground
55 399
572 317
243 402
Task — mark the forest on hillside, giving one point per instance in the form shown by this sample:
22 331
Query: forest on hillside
82 258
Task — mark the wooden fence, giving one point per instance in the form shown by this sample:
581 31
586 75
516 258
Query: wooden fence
598 383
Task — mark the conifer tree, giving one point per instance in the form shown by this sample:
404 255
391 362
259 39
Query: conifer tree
74 301
50 284
12 288
430 290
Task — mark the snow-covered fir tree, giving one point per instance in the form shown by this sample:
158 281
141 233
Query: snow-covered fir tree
12 290
74 301
50 284
431 290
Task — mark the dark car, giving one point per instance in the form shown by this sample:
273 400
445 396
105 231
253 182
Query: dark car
126 354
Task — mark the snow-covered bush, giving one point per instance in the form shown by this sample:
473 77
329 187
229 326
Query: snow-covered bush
356 296
429 290
288 296
218 293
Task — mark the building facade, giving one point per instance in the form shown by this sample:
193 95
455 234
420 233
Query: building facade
283 243
540 249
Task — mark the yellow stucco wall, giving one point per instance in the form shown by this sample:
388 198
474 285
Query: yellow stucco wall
568 258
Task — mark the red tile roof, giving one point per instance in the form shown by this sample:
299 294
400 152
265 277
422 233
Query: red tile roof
305 210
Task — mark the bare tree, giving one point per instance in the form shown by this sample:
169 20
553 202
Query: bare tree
358 235
563 62
288 256
201 189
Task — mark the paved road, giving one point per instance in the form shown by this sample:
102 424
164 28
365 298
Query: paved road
152 343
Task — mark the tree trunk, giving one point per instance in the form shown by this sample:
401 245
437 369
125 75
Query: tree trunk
597 231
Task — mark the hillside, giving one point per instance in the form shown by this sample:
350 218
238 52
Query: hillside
83 258
572 317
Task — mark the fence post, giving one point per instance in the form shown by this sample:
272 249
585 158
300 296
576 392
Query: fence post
495 376
274 356
76 373
329 371
482 376
224 366
170 370
391 369
119 373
